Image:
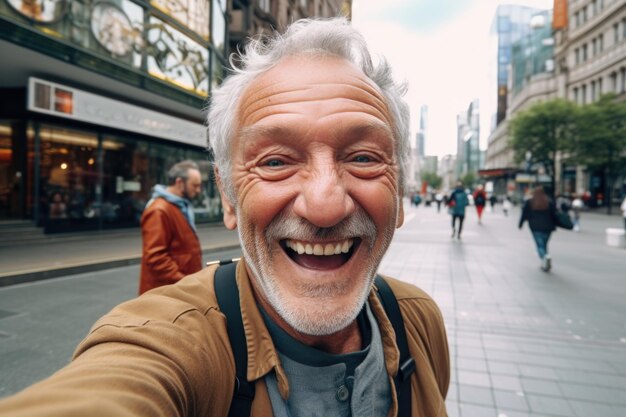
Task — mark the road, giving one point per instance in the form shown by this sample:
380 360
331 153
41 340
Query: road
42 322
522 342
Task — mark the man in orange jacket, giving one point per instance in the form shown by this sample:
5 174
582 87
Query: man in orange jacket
171 248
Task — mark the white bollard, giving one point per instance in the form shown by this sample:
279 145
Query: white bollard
616 237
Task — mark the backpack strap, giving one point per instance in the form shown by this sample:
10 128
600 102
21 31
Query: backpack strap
407 363
227 295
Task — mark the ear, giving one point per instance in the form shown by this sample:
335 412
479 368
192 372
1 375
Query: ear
230 215
400 219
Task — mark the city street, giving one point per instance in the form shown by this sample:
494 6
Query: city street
523 342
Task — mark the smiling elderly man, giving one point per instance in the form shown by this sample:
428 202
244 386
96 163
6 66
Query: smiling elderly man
310 141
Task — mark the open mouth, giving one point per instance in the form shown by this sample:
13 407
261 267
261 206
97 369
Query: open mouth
318 255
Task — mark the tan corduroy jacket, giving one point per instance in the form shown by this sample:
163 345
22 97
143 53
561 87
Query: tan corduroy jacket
167 354
171 248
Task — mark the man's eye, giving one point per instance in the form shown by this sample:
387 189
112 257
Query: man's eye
274 163
362 159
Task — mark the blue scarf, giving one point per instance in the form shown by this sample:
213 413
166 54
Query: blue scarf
160 191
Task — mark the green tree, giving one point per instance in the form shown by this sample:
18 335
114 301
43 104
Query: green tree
468 180
541 131
432 179
601 142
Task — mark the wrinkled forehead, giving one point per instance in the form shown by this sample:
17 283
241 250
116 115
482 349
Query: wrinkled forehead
311 77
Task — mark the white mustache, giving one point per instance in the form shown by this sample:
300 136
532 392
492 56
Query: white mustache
289 226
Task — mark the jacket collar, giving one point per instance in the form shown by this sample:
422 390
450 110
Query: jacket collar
262 355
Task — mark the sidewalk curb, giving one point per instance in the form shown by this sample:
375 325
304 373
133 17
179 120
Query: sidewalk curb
20 277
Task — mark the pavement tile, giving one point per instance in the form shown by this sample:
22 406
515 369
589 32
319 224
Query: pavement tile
470 364
476 395
506 368
593 393
541 386
471 410
588 409
452 409
453 390
537 372
508 383
510 400
470 352
479 379
549 405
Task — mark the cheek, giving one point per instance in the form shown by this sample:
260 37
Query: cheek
379 198
260 201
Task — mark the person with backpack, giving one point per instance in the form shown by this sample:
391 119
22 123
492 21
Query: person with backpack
480 200
310 140
456 207
540 212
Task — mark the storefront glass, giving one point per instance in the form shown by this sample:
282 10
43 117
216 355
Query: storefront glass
176 58
7 176
89 180
68 179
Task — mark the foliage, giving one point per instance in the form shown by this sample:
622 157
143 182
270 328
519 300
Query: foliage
601 140
542 130
468 180
432 179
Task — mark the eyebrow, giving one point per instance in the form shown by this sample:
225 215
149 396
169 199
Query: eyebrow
286 133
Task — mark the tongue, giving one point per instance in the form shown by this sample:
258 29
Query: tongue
319 262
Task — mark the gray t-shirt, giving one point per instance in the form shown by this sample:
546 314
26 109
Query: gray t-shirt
326 385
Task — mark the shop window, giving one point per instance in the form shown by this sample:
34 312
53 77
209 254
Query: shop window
193 14
7 176
68 179
176 58
125 181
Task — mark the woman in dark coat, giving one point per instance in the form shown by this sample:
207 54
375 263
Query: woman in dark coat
540 213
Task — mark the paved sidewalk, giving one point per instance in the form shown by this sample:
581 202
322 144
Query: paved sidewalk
91 251
523 342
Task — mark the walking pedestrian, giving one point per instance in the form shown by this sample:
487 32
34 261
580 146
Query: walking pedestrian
456 205
438 200
506 205
540 212
577 206
171 248
480 199
492 201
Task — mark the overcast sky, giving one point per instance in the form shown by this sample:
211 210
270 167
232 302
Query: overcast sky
442 48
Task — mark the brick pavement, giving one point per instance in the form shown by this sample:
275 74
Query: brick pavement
523 342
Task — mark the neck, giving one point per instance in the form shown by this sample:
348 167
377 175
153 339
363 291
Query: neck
344 341
172 190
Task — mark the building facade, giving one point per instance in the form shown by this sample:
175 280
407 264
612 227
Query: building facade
468 137
588 43
590 52
257 17
531 80
510 24
97 100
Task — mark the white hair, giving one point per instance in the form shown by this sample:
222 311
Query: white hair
306 36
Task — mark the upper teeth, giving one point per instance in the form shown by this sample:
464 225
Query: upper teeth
320 249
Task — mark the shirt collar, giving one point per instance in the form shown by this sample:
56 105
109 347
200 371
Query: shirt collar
262 354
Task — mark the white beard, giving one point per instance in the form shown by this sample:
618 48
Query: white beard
313 316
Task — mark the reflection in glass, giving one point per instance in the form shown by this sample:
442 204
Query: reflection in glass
117 28
193 14
68 192
44 11
219 24
176 58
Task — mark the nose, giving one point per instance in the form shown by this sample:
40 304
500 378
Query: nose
324 199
